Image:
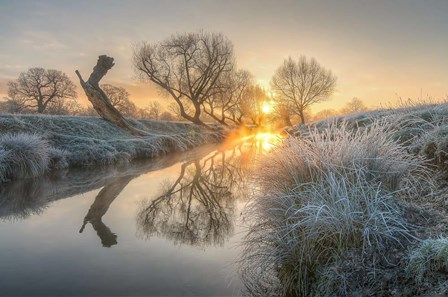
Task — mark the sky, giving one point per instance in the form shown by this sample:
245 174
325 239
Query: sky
379 50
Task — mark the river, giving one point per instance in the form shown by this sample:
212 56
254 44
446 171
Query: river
171 226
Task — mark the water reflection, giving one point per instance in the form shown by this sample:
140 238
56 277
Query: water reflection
198 207
22 198
100 206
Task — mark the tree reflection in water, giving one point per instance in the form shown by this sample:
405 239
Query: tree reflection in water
198 208
100 206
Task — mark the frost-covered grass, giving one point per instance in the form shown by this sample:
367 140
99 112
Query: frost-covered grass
32 144
431 255
422 128
22 155
334 189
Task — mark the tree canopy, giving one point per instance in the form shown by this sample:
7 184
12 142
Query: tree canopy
38 87
189 67
302 83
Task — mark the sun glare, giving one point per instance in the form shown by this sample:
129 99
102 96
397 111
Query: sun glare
268 141
266 108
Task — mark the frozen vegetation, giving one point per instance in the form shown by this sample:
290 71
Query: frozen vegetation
33 144
353 206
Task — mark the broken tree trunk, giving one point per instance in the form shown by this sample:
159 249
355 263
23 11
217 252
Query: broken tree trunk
99 99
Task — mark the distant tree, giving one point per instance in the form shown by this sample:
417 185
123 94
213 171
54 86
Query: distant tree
175 110
251 107
155 110
64 107
167 116
119 98
325 113
142 113
38 87
282 113
354 105
302 84
188 67
89 111
11 105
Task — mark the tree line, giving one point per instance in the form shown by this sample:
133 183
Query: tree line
198 76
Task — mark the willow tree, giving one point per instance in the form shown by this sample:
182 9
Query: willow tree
188 67
302 83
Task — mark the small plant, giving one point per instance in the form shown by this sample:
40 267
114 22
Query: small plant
431 255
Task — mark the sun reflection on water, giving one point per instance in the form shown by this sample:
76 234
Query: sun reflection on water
268 141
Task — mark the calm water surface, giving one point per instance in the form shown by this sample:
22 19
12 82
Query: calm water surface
166 227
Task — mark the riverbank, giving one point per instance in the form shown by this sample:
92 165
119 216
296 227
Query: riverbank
31 145
353 206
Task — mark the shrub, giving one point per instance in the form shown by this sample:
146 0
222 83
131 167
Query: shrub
22 155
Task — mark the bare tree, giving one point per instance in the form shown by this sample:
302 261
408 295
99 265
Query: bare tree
155 110
302 84
64 107
89 111
167 116
324 114
188 67
119 98
354 105
251 104
175 110
227 105
38 87
282 113
13 105
99 99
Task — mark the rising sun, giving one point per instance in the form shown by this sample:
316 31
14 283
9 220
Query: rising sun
266 108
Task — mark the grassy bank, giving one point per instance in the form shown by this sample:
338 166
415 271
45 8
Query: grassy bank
33 144
353 206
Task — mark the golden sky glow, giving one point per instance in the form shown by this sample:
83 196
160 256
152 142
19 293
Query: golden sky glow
379 50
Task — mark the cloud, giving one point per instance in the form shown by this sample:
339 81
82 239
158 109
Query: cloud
41 40
10 71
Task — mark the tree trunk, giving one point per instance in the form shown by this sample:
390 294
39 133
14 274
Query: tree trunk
40 107
287 120
302 117
101 103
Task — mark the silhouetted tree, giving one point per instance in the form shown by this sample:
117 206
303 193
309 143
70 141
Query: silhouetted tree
302 84
325 113
227 105
13 105
354 105
166 116
100 102
188 67
282 112
38 87
251 105
119 98
155 110
64 107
